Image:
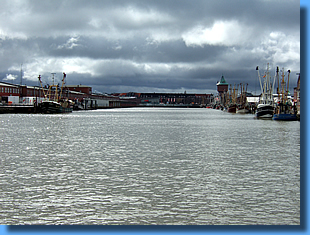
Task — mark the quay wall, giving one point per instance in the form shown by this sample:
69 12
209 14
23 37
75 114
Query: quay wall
17 109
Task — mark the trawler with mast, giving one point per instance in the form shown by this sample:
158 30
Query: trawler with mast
232 104
243 106
265 107
53 100
284 111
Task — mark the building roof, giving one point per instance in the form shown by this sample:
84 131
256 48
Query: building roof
77 86
7 84
222 82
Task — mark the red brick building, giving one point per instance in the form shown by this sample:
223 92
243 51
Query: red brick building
80 88
7 89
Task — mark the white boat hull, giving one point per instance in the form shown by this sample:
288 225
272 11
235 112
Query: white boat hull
264 111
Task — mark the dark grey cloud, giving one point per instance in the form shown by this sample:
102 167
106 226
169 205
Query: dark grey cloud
153 45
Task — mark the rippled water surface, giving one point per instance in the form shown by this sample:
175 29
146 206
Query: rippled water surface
149 166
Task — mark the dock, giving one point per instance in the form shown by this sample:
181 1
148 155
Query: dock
17 109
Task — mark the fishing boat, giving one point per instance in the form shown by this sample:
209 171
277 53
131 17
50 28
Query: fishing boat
284 111
49 106
54 102
264 111
265 106
232 108
232 105
243 107
243 110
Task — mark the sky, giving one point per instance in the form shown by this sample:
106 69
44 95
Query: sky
118 46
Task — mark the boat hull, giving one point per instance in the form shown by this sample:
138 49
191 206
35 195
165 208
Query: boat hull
285 117
264 111
53 107
232 109
243 111
264 115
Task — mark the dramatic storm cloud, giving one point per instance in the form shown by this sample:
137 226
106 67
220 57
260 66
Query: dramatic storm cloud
148 45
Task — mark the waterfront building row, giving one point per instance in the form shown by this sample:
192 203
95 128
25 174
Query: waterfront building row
82 96
12 94
177 99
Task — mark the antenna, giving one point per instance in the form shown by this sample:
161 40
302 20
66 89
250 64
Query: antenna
21 74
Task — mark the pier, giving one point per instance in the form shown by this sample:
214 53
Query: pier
17 109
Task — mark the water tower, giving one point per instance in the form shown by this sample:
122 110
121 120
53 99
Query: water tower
222 86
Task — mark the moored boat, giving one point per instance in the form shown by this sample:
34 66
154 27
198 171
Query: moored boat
243 106
265 106
243 110
264 111
232 108
285 117
231 100
54 107
284 109
56 104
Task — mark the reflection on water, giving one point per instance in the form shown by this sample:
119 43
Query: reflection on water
149 166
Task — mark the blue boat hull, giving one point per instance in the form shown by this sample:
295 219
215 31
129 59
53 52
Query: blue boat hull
284 117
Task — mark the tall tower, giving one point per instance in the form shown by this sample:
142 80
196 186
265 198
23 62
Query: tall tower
222 89
222 86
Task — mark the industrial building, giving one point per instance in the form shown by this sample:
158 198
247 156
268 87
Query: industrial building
82 96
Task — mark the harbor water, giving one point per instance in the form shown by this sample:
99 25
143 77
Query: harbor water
147 166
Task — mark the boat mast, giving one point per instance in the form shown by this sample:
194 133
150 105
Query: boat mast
246 91
42 86
63 82
283 84
55 98
230 95
288 81
56 89
274 80
240 99
277 75
260 82
267 84
234 94
21 74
